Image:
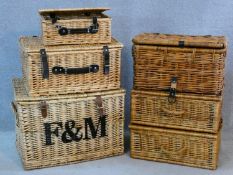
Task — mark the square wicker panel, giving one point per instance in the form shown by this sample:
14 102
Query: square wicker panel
69 56
174 146
189 112
44 141
75 19
196 61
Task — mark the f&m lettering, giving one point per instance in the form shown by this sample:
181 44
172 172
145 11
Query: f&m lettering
72 133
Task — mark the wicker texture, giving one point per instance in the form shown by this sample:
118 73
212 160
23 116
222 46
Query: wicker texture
197 62
71 56
173 146
189 112
30 131
75 18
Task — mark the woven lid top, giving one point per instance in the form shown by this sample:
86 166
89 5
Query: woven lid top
72 10
218 42
21 94
34 44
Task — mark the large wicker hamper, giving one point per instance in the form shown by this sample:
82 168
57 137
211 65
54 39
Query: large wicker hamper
65 129
197 62
189 112
75 26
175 146
52 70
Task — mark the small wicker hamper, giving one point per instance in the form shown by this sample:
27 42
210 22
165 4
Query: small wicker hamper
75 26
53 70
175 146
197 62
189 112
65 129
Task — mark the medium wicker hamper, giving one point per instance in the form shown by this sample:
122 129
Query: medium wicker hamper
175 146
75 26
189 112
197 62
53 70
65 129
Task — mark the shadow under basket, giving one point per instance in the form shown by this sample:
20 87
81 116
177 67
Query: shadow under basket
175 146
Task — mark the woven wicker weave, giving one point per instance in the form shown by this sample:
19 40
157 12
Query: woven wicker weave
32 136
75 18
174 146
189 112
196 61
71 56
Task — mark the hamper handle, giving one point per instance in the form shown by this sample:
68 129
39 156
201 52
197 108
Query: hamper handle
172 111
176 152
92 29
14 108
61 70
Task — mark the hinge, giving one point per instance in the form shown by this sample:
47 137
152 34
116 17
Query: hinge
44 109
53 17
181 44
106 60
45 66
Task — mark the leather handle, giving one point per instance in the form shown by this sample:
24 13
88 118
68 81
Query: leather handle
179 151
92 29
172 111
61 70
14 108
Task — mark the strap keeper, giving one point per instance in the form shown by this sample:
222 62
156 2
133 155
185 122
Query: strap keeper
44 62
44 109
106 60
172 93
99 105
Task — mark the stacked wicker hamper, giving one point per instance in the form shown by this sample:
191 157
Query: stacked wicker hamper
69 106
177 98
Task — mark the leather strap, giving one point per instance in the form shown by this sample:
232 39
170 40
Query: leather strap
99 104
45 66
44 109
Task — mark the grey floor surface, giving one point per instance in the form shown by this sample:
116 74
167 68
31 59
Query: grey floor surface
10 162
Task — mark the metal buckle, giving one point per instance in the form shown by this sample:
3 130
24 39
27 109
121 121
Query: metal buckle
172 92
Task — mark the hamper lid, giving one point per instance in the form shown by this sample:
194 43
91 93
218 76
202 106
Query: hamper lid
44 12
33 44
208 41
21 95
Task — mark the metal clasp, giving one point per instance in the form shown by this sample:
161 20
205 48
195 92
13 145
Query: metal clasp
172 93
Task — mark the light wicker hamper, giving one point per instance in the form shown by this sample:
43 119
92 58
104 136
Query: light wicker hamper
175 146
197 62
189 112
75 26
65 129
52 70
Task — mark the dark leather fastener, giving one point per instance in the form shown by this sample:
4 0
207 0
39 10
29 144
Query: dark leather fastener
44 109
94 68
45 65
93 28
99 105
106 60
172 93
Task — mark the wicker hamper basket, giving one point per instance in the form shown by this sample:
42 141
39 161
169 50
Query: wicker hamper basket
75 26
65 129
53 70
175 146
197 62
189 111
